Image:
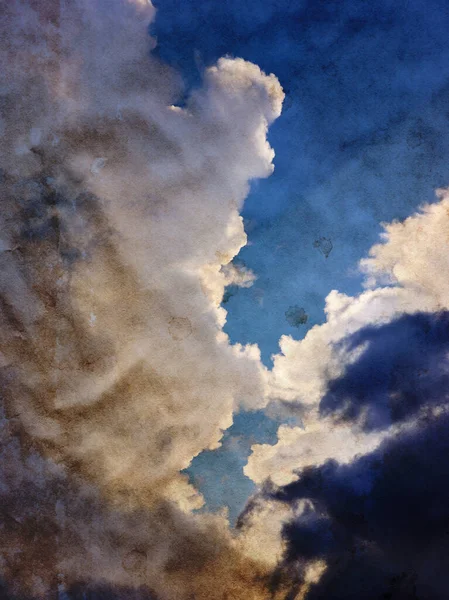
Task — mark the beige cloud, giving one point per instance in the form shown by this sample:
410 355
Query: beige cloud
413 254
128 216
120 210
58 531
297 448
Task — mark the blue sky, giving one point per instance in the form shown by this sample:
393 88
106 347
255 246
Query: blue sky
362 140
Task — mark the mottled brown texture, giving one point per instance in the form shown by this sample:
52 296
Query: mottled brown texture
118 213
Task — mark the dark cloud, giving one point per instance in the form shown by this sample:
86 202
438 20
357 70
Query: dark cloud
385 516
381 523
403 368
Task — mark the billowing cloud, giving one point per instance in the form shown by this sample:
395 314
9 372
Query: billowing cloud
411 262
412 266
120 217
120 222
365 479
378 523
61 533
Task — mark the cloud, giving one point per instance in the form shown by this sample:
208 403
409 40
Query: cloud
299 447
367 498
411 264
120 218
60 531
380 523
364 478
400 371
403 369
120 221
412 254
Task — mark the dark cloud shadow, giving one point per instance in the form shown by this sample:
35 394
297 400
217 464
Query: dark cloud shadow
403 368
381 523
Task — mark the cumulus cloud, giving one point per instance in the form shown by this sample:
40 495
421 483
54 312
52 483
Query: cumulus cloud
120 222
59 532
412 254
365 479
299 447
379 523
406 274
120 218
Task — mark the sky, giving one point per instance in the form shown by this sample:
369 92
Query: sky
362 139
224 300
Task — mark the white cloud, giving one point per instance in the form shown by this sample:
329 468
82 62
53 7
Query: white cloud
119 213
297 448
412 264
